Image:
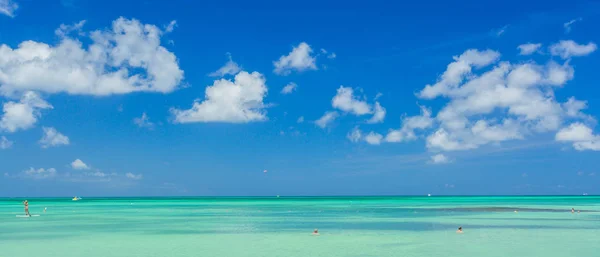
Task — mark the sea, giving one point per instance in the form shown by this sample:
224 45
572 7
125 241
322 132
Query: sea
283 226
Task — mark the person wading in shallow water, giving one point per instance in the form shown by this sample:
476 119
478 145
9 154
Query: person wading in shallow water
459 231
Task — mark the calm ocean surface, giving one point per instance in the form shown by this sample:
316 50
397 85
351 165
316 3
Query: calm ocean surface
282 227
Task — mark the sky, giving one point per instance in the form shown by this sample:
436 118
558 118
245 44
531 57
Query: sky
264 98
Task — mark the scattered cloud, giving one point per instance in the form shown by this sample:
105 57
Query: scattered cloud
299 59
580 135
504 103
230 68
8 7
134 176
40 173
354 135
5 143
237 101
409 125
124 59
569 48
143 122
24 114
501 31
373 138
529 48
346 101
439 159
300 119
79 165
327 119
456 72
171 26
379 114
64 30
330 55
570 23
289 88
53 138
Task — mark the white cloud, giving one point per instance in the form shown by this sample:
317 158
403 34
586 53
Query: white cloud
300 119
289 88
346 101
504 103
143 122
23 114
79 165
52 138
439 159
355 135
5 143
230 68
237 101
457 71
570 23
64 30
300 59
134 176
580 135
379 114
8 7
569 48
409 124
326 119
529 48
40 173
373 138
127 58
171 26
501 31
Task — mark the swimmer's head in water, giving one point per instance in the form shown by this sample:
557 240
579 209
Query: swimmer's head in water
460 228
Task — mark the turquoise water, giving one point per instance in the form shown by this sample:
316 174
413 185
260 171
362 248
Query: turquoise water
282 227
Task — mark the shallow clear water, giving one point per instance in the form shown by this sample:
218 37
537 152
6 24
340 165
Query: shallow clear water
349 226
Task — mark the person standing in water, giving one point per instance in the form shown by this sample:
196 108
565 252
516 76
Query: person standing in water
27 208
459 231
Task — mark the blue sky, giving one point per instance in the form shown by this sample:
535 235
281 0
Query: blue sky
110 98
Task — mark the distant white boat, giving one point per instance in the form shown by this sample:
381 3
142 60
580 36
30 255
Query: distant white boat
428 194
76 198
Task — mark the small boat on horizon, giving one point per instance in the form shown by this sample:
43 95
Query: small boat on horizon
76 198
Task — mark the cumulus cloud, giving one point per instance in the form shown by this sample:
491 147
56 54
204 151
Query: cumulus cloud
124 59
53 138
300 59
378 115
346 101
458 70
569 48
580 135
79 165
373 138
439 159
504 103
409 125
230 68
8 8
24 114
289 88
570 23
327 119
5 143
529 48
143 122
330 55
300 119
130 175
231 101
